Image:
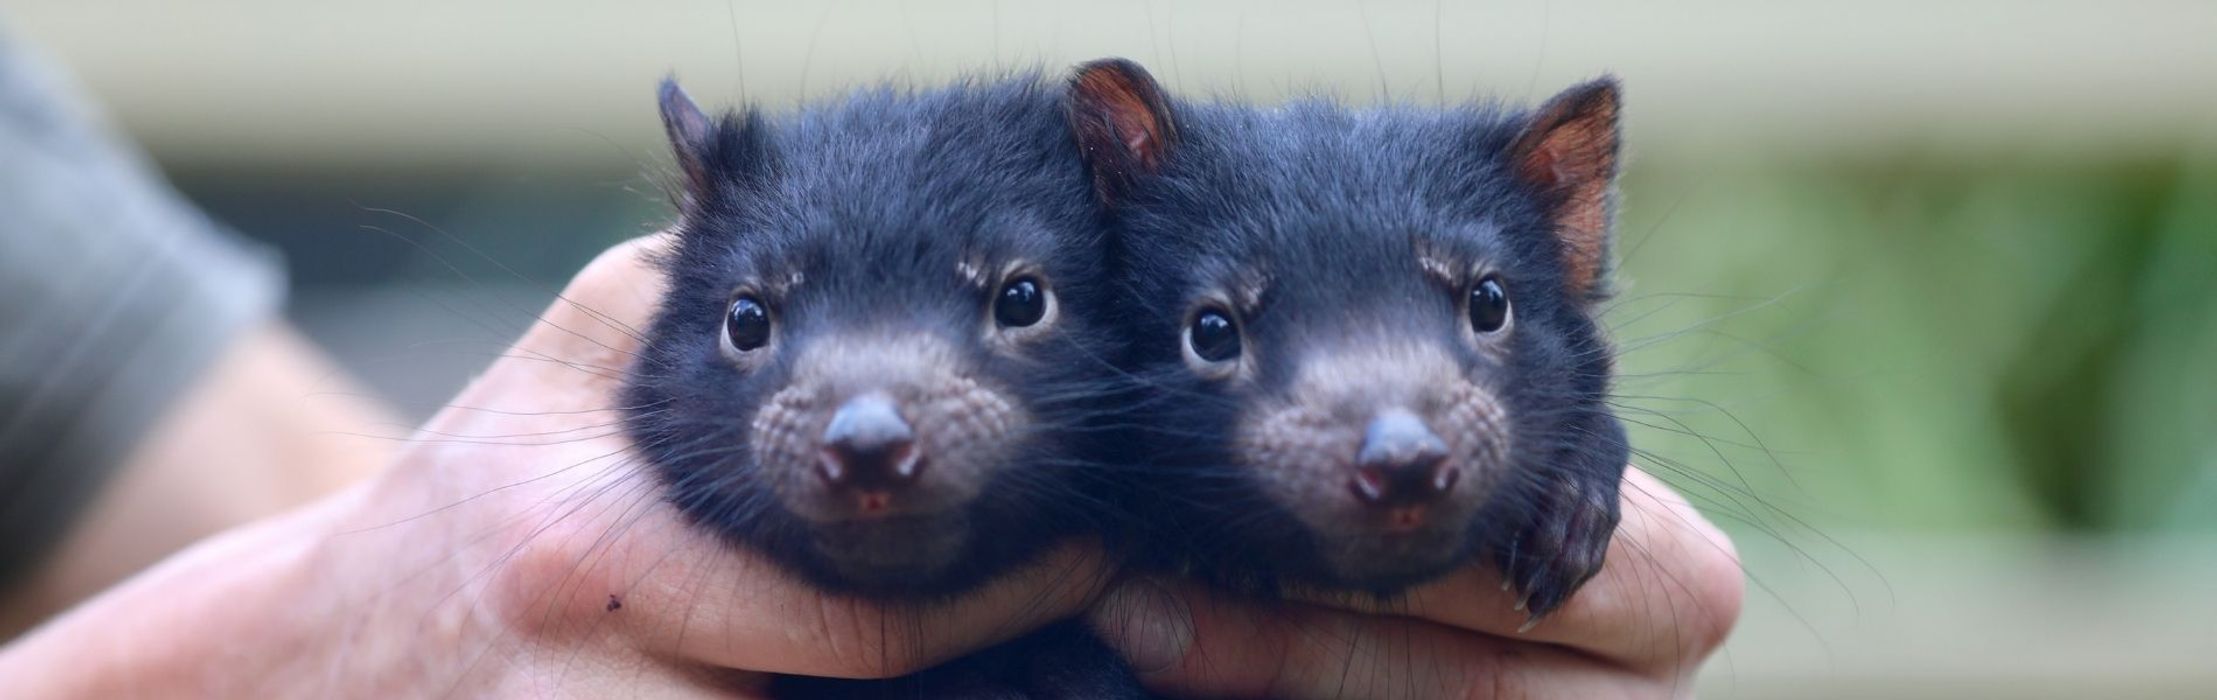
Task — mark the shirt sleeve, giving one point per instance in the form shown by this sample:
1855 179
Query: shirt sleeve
114 294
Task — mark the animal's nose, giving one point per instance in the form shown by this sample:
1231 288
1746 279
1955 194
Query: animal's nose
1401 462
869 447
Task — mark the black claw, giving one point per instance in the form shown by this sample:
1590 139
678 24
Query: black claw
1561 547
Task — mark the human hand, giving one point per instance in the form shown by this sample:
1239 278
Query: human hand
515 547
1665 599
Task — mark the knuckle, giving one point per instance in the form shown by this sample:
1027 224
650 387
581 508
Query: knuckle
546 584
617 274
619 260
1721 590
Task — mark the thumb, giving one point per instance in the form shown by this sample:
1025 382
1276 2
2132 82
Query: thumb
759 618
1147 623
1184 639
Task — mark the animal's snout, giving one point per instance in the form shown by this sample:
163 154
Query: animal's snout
1401 466
870 450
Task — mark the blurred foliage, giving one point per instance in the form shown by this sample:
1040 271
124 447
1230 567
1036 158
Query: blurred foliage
1908 344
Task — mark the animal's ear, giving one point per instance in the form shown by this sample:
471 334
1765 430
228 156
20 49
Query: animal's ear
692 135
1122 122
1568 151
716 155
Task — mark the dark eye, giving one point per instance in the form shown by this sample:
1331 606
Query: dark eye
1021 303
1213 337
1489 305
747 326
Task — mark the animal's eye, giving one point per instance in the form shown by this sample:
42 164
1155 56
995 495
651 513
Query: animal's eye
1213 337
747 325
1489 305
1022 302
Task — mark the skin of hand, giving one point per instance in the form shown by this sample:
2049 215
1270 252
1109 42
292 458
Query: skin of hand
1667 596
271 425
515 547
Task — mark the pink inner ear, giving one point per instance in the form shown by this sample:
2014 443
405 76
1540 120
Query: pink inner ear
1135 139
1571 151
1122 122
1573 154
1130 110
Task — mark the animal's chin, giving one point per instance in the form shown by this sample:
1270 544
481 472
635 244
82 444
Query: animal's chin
895 553
1387 562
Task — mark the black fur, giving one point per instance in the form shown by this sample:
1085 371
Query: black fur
1319 205
876 200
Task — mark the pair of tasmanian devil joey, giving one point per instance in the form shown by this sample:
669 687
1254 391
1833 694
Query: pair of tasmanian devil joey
913 338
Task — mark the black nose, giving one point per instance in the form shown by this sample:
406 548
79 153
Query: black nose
1401 461
869 445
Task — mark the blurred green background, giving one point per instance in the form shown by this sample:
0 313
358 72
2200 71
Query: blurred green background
1920 301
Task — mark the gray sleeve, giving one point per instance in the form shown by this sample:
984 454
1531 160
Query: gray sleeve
114 294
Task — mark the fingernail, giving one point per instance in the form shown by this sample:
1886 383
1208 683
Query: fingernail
1147 623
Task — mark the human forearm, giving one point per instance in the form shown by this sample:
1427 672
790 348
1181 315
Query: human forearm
202 623
271 426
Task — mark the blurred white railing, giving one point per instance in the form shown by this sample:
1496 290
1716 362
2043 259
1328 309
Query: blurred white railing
421 82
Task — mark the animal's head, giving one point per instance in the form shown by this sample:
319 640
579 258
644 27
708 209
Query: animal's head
881 335
1370 326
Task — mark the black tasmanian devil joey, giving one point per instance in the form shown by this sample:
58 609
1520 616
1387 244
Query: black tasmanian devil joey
883 349
1370 350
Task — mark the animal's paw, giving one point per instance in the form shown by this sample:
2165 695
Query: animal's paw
1561 545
